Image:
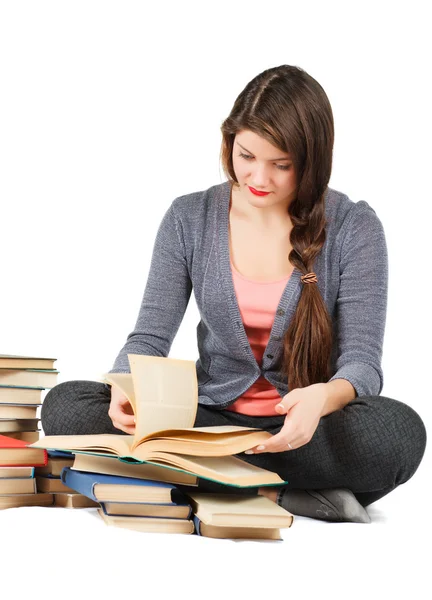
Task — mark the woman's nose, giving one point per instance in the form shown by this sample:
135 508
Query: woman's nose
260 176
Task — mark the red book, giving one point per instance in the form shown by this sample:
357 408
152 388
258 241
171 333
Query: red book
16 453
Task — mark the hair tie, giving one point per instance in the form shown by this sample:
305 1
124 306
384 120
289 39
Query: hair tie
309 278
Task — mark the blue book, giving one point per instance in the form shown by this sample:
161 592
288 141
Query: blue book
114 488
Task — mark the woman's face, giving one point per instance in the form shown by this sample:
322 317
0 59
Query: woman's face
260 165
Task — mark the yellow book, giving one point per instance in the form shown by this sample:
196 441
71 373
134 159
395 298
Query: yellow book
11 361
146 509
163 393
17 486
17 411
20 395
32 378
55 465
16 472
237 533
51 485
26 500
149 524
25 436
16 425
72 500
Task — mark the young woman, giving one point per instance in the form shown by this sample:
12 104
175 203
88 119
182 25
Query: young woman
290 277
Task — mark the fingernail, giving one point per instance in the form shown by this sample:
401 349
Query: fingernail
261 448
134 420
248 451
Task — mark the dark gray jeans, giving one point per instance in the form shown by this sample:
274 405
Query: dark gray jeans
371 446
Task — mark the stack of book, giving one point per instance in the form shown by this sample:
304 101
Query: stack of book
133 503
157 505
22 382
17 474
48 479
163 393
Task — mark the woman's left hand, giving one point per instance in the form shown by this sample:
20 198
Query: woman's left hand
303 408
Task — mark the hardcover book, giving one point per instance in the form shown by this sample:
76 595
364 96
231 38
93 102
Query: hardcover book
15 425
51 484
26 500
26 436
149 524
74 500
16 485
112 488
11 361
18 411
145 509
17 453
229 510
57 461
235 533
20 395
109 465
35 378
16 472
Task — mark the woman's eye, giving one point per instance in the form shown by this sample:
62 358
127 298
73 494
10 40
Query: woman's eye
249 157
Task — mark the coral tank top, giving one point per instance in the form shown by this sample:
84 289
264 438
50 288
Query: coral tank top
258 301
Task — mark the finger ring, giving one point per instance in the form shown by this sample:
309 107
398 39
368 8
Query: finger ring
289 446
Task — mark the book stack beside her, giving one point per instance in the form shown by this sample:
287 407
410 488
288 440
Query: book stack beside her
48 479
17 474
23 379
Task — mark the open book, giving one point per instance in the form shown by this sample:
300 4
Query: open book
163 393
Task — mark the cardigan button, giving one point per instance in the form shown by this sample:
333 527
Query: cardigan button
269 355
277 338
280 311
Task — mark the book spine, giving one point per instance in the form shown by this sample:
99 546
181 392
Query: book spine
75 481
197 525
178 497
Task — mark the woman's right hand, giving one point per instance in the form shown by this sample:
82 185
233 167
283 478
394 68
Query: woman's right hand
120 411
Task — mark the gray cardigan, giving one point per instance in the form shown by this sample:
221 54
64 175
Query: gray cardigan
191 251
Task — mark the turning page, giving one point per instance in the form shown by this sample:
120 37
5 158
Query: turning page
166 393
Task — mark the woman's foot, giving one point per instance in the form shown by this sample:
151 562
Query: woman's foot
337 505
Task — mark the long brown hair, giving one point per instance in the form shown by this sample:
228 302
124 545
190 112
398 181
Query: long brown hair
290 109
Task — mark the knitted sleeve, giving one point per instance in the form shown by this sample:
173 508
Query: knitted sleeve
362 302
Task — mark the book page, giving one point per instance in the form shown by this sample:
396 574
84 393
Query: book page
202 444
124 382
166 393
118 445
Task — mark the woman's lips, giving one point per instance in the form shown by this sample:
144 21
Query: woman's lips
256 192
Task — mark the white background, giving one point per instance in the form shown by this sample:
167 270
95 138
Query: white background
110 110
